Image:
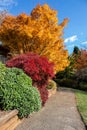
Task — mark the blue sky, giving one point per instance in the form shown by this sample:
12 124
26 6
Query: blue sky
75 34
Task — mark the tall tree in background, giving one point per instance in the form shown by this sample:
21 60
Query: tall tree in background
81 61
76 50
74 56
39 33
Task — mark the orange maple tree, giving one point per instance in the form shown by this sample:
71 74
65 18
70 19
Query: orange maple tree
38 32
81 61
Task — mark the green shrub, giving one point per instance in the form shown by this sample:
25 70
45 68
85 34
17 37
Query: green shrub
70 83
52 85
16 92
67 83
2 71
83 85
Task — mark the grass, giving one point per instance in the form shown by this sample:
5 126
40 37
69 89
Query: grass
81 98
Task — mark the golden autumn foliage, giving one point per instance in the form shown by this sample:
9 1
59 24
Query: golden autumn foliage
38 32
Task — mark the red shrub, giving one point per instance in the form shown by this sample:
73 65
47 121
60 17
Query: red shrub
44 94
38 68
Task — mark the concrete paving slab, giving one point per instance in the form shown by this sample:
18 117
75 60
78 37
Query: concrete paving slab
59 113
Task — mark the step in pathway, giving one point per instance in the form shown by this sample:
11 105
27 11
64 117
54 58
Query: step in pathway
59 113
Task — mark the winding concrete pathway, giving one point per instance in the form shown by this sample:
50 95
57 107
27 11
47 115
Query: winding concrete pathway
59 113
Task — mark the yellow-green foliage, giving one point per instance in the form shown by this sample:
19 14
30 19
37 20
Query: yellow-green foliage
52 85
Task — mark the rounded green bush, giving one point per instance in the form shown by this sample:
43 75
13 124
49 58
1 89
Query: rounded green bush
16 92
2 71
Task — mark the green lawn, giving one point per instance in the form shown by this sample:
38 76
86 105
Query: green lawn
81 97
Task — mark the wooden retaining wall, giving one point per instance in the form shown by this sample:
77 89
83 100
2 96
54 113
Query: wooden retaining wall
9 120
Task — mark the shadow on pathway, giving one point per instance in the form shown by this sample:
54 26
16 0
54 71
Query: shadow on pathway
59 113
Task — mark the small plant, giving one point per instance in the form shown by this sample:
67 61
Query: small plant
52 85
38 68
16 92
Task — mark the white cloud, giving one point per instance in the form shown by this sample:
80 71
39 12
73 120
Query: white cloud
71 39
5 3
84 43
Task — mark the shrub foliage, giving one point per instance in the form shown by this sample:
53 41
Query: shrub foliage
52 85
38 68
16 92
